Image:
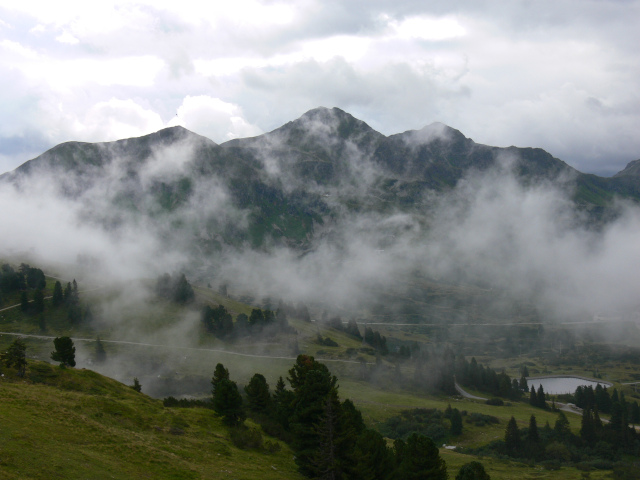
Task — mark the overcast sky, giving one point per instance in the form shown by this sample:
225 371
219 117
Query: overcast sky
563 75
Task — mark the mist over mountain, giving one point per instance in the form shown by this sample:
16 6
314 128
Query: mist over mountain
325 209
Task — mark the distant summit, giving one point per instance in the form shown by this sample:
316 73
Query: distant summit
631 170
291 184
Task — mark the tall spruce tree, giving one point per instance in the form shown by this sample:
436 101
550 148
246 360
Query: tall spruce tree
328 458
38 301
421 459
227 403
58 296
24 301
456 422
372 458
588 428
512 441
220 373
541 397
562 426
282 402
532 433
533 398
258 396
312 383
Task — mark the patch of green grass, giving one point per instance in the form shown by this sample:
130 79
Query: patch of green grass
508 470
78 424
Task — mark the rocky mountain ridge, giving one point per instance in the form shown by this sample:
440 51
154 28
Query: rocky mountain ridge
283 186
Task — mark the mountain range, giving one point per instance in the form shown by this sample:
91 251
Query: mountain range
286 187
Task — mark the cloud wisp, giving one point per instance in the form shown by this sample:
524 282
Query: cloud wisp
563 77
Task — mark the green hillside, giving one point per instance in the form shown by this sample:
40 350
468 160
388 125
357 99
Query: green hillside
74 423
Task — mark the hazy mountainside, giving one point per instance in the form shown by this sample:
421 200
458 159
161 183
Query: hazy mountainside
325 209
285 185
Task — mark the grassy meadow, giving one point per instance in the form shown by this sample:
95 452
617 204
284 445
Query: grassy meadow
77 423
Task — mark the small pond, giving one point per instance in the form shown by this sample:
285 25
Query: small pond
563 384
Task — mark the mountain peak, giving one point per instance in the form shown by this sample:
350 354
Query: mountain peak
631 170
331 117
436 131
172 134
324 113
322 123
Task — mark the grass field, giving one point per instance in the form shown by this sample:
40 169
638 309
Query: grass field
74 423
77 424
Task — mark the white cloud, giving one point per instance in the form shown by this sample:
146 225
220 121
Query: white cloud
470 65
107 120
18 49
65 74
66 37
428 28
120 118
213 118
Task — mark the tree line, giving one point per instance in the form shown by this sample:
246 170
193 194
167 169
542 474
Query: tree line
219 322
327 435
597 445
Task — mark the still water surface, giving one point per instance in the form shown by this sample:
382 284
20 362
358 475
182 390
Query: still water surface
558 385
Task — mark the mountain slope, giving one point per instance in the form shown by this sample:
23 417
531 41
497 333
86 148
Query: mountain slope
290 185
78 424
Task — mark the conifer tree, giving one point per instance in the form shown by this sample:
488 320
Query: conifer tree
512 441
136 385
227 402
532 434
456 422
533 398
16 357
634 413
540 395
312 383
372 459
587 428
283 403
219 374
420 459
562 426
67 292
24 301
603 400
327 461
38 301
58 296
258 396
64 352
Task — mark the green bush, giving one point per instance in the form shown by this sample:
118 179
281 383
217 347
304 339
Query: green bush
271 446
245 437
481 420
